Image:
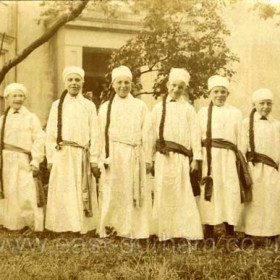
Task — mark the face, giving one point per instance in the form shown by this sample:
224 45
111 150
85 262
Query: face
219 95
264 107
176 88
15 99
122 86
74 84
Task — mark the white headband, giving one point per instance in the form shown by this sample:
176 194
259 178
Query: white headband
179 74
262 94
73 70
218 81
14 87
121 71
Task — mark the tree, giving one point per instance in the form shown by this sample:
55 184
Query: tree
189 34
75 9
267 10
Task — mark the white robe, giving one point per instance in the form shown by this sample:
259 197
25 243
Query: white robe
65 203
129 144
260 217
175 211
225 204
19 208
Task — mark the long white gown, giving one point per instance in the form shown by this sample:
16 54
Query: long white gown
19 208
225 204
175 210
65 202
125 195
260 217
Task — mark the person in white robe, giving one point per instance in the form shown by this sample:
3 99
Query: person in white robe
176 142
22 150
260 142
220 200
125 125
72 154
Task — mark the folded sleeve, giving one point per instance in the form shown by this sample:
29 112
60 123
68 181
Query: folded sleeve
147 133
195 134
51 133
38 141
94 135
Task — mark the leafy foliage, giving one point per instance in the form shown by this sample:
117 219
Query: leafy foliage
187 34
266 10
181 33
53 9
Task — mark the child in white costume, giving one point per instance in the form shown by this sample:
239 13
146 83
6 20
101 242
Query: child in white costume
177 139
72 153
125 125
260 142
220 200
22 150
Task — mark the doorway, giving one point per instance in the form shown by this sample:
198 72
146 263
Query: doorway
95 64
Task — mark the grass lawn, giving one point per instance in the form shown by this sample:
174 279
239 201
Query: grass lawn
72 256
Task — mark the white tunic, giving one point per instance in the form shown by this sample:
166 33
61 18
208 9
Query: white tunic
225 204
261 216
65 203
175 210
19 208
129 135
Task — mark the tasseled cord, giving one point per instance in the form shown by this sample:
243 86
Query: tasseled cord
59 120
108 120
161 127
208 180
252 136
1 152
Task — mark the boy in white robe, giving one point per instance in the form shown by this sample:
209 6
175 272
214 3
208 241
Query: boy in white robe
260 142
22 150
125 148
220 200
72 154
178 149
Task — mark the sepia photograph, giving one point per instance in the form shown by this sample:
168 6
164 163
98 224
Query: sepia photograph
139 139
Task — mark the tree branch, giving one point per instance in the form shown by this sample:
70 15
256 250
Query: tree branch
148 71
62 20
157 62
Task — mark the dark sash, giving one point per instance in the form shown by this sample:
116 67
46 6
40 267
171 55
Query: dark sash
245 180
170 146
86 176
261 158
174 147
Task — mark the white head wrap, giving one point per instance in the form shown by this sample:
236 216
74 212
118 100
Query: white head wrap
179 74
73 70
121 71
262 94
13 87
218 81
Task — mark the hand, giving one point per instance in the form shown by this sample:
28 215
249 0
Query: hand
49 167
194 166
35 170
148 167
95 170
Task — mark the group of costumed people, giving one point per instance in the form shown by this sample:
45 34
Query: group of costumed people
99 162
